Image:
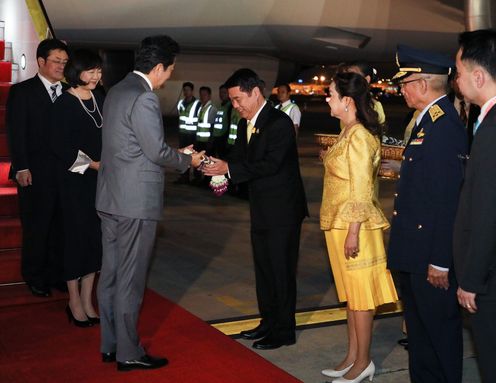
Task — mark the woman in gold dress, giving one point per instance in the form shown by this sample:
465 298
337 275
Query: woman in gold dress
353 222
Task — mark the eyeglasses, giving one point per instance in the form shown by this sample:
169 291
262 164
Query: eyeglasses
57 62
402 83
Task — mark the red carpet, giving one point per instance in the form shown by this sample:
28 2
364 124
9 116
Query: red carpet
38 345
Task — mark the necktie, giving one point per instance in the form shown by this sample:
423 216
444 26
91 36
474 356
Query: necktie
54 91
476 126
463 112
249 129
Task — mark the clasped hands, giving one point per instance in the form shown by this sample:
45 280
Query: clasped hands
209 165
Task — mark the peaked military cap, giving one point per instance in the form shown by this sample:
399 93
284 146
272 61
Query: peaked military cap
411 60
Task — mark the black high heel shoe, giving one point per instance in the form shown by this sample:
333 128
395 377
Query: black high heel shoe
78 323
93 320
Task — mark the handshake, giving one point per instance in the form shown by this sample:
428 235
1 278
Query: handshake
210 166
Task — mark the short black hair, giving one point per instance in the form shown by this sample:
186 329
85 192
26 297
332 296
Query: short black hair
479 47
246 79
81 60
189 85
288 88
48 45
207 89
154 50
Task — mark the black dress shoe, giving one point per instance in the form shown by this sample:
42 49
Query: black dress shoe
271 343
255 333
146 362
403 342
39 291
108 357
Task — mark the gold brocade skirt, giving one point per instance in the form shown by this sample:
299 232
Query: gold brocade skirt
363 281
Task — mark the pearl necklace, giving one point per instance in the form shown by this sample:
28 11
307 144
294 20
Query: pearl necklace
95 108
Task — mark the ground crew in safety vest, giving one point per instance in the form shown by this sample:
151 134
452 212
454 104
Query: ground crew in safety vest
287 106
222 124
206 119
187 109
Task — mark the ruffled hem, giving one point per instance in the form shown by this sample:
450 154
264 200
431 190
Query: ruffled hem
339 217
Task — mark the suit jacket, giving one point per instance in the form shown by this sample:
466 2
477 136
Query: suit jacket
134 153
427 192
475 226
269 164
28 122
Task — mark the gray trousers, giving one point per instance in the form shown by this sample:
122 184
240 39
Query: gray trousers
127 248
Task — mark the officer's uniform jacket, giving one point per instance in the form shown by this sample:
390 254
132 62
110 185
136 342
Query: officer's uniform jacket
427 192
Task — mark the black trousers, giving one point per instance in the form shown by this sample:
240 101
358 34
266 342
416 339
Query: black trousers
433 321
484 330
275 253
42 236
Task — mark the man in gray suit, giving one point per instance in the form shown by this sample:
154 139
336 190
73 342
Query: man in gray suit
130 198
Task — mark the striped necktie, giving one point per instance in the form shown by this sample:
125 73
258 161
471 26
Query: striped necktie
54 91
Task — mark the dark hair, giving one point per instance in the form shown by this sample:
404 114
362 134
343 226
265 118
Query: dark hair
364 67
154 50
479 47
206 88
246 79
288 88
189 85
48 45
355 86
80 61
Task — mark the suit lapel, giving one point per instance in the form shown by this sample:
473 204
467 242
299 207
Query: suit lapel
39 88
260 124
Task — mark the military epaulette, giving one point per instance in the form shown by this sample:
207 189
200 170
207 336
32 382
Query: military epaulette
435 111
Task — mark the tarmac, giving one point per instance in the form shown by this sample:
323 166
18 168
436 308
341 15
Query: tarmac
203 262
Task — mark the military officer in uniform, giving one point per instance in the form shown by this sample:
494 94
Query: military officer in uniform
420 245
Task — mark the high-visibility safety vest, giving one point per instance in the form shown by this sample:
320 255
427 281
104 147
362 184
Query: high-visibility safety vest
188 118
221 123
203 131
287 108
233 127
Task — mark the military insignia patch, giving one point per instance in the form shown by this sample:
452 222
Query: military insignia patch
421 133
435 112
417 141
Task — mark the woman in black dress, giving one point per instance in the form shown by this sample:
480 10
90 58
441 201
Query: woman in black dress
76 141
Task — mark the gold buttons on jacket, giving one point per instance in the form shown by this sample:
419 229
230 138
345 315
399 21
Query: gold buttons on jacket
410 159
395 212
396 194
419 227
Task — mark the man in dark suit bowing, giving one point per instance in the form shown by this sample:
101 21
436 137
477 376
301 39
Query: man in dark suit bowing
28 109
475 229
265 156
420 243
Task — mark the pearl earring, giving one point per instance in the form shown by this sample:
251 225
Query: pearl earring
345 108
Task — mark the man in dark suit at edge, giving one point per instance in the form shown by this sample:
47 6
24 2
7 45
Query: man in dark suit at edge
265 156
475 228
28 108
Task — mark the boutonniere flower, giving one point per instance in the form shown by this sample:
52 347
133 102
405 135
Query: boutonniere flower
255 130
